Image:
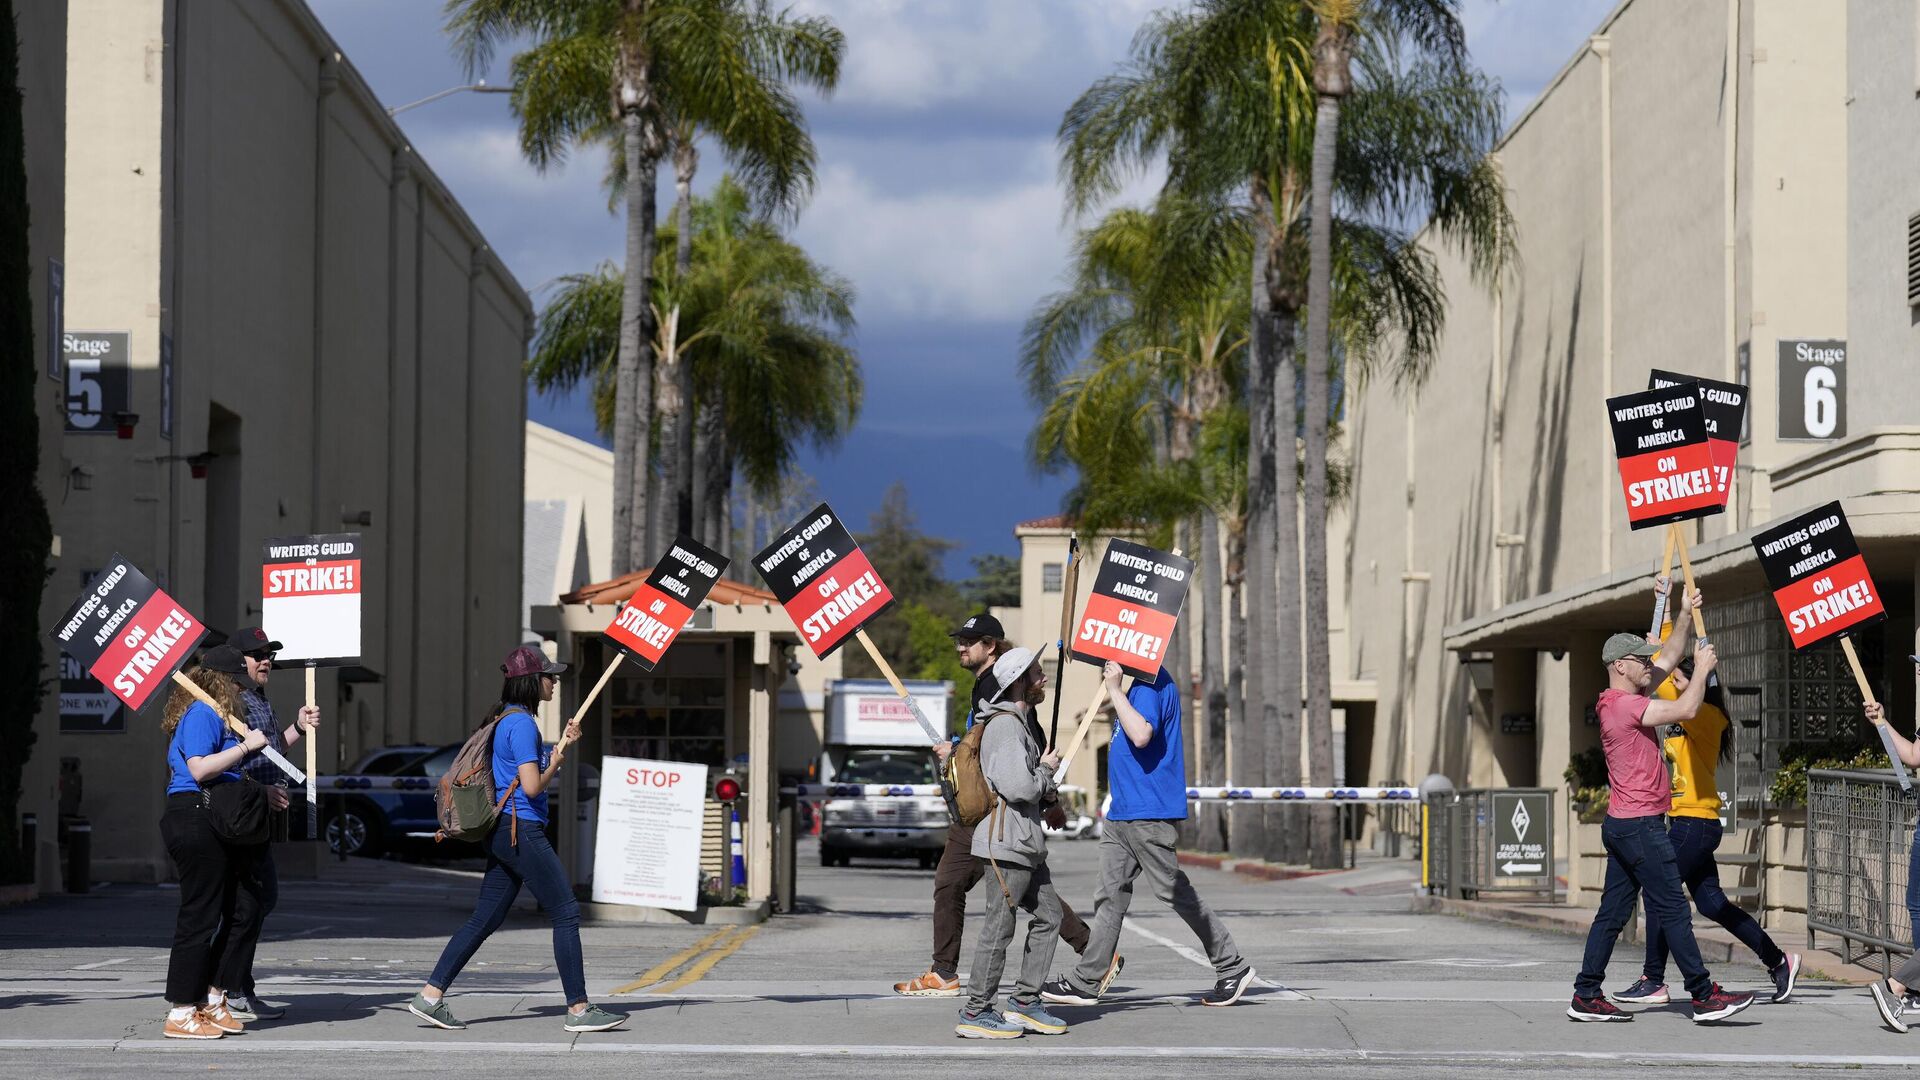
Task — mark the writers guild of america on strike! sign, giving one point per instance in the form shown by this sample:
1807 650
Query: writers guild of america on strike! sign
1133 608
310 589
661 606
1666 464
1723 405
127 633
823 579
1818 576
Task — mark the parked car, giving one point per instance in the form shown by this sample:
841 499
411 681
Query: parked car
911 828
373 822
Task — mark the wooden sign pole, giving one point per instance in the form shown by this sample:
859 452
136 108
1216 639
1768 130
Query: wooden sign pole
1686 568
1666 571
1073 744
587 702
1070 586
313 766
1866 695
238 726
934 735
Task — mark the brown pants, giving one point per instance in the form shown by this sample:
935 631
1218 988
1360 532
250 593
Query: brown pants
958 873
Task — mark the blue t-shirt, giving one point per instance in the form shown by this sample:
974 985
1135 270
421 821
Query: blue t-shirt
201 732
1150 782
515 742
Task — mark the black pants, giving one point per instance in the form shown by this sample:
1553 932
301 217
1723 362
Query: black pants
205 944
257 892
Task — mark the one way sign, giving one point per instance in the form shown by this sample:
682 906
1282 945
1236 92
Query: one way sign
1521 832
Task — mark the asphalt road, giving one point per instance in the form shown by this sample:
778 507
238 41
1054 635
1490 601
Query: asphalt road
1358 985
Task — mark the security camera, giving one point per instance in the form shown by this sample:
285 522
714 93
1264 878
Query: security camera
793 666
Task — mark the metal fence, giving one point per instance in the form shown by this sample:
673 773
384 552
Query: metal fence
1474 836
1859 834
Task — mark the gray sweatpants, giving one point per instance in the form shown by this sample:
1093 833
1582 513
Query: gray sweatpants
1127 850
1032 890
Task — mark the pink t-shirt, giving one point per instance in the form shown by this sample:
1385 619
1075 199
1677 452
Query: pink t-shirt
1636 769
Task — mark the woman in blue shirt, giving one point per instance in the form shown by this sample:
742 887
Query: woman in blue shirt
202 751
518 852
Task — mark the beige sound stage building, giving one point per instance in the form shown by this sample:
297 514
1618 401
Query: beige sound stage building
1725 189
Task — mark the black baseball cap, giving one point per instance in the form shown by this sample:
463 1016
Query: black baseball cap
979 626
252 639
225 659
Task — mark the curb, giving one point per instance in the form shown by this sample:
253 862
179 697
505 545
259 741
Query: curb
1254 868
593 914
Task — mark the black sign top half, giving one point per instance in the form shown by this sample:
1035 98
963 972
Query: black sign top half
1125 563
798 555
1655 420
688 570
1724 403
326 547
90 625
1804 545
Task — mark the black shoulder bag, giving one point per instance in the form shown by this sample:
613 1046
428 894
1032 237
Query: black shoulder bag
238 811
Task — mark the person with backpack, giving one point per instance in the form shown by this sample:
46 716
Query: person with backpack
203 754
1018 770
507 751
978 642
1147 772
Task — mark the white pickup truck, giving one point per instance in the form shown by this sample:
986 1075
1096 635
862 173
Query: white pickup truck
872 737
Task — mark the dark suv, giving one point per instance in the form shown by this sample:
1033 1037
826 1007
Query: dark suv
371 822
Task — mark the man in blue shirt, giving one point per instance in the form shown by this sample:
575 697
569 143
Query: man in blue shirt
1147 777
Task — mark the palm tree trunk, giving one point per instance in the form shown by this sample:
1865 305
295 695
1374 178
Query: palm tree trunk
1210 834
1248 832
711 474
633 374
1325 842
677 452
1280 625
1237 723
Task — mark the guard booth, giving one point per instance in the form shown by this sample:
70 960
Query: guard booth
712 701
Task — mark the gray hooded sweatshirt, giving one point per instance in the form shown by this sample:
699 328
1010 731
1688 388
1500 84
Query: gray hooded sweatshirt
1010 758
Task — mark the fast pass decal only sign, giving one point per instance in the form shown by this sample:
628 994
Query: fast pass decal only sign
1133 608
1666 464
310 588
1818 576
661 606
127 633
823 579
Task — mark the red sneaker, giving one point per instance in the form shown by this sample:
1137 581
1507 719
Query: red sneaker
1718 1005
1596 1010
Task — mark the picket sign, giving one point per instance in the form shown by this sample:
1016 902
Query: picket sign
313 767
238 726
1667 468
1723 406
1133 552
1069 588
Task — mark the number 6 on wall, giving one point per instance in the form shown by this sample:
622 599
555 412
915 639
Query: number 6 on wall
1821 407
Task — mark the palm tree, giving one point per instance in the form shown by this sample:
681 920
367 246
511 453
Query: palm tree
759 324
621 73
1446 119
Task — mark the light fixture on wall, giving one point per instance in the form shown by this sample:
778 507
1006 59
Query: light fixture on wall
79 478
1479 668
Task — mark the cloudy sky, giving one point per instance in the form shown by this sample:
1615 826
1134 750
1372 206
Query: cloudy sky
937 198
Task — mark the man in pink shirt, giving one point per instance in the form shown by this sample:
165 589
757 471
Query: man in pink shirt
1639 856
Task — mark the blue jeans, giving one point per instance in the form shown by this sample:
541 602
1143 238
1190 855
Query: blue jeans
1640 859
1913 890
1694 841
534 864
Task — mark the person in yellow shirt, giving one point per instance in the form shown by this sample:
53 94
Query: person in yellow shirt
1693 749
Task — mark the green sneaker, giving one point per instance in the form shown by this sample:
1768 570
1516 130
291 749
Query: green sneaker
434 1012
594 1018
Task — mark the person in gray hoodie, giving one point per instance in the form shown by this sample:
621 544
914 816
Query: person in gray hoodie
1019 769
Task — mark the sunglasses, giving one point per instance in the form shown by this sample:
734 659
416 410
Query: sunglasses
263 656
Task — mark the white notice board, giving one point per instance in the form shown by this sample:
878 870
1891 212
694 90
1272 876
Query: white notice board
646 848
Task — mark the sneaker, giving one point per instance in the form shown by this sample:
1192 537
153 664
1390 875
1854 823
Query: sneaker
1718 1005
986 1025
1595 1010
1061 992
1228 990
218 1015
1113 970
1644 992
1034 1017
1889 1005
252 1008
1909 1003
195 1026
1785 976
931 984
434 1012
593 1018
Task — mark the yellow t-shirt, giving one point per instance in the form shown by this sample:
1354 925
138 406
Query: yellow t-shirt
1692 748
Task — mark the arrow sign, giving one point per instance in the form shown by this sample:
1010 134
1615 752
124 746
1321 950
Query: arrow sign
1511 868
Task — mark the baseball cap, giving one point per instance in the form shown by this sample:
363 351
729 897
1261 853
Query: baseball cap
224 658
249 639
979 626
1006 670
529 660
1622 645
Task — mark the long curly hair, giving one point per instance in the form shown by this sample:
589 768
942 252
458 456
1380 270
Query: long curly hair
219 686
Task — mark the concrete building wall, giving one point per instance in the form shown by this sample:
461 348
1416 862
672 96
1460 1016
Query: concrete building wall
1883 195
42 29
560 466
344 342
